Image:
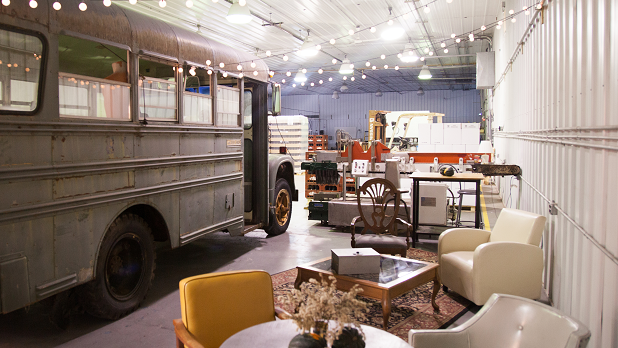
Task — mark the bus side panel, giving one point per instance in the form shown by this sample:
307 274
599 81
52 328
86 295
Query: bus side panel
24 149
89 147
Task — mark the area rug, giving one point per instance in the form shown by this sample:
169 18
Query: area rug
412 310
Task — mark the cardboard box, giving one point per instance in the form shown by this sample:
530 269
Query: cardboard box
437 133
452 133
470 133
424 133
355 261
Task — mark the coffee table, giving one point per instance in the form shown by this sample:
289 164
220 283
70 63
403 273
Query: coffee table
397 276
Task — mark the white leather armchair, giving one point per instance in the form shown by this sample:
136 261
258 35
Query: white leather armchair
477 263
508 321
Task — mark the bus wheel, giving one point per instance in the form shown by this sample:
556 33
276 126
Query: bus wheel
124 270
280 220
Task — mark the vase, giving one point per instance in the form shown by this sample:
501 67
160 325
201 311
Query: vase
307 340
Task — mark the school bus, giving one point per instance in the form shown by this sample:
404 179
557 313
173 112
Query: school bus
119 130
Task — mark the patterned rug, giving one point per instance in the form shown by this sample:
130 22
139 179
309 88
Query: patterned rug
412 310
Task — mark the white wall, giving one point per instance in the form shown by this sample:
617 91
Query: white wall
351 110
566 77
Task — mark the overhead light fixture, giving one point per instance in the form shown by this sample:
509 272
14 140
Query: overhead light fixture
392 31
300 76
409 55
308 48
379 93
424 74
239 14
335 95
420 91
346 68
343 87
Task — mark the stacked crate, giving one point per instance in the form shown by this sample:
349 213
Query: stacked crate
318 142
291 132
311 186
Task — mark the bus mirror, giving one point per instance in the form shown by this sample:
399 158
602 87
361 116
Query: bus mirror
276 99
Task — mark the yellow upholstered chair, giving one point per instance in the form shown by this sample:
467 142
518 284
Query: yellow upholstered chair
217 305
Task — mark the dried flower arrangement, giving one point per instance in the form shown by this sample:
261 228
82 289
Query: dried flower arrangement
316 304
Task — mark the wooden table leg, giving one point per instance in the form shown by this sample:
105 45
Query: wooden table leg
298 280
436 288
386 308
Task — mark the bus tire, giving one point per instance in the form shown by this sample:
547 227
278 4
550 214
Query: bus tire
124 270
280 219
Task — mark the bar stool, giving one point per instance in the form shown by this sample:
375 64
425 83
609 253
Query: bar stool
458 221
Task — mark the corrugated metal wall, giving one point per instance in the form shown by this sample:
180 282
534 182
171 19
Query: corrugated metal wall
558 108
350 110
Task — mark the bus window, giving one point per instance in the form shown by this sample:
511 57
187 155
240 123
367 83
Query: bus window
20 71
196 96
228 101
157 91
248 109
93 80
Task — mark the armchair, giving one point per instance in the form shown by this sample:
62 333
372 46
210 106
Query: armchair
379 192
508 321
477 263
217 305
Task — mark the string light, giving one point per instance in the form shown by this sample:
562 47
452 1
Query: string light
431 53
302 83
162 3
330 79
443 45
6 2
513 19
209 72
208 62
453 36
446 50
222 65
132 2
241 75
285 58
345 78
268 53
351 32
458 40
511 12
483 28
321 82
399 55
382 56
239 67
225 74
288 73
106 3
255 73
449 1
422 59
372 29
332 41
33 3
304 71
312 84
352 78
385 66
367 64
253 64
364 76
283 81
390 22
83 7
396 67
427 9
189 3
271 73
373 67
57 6
334 61
320 71
294 85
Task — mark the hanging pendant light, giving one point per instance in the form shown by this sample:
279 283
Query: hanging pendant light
420 91
300 76
308 48
424 74
379 93
346 68
239 14
335 95
392 31
343 87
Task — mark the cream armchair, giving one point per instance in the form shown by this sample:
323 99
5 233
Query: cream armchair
508 321
477 263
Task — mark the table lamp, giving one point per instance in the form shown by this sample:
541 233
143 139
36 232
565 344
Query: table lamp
486 149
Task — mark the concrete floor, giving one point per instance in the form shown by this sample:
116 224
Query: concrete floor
151 324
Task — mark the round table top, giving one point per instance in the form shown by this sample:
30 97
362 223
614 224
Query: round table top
279 333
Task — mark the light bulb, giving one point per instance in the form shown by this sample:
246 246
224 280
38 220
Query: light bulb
351 32
527 12
208 62
458 40
57 6
514 20
443 45
6 2
255 73
321 82
318 47
271 73
293 85
427 9
132 2
539 6
312 84
483 28
399 55
498 26
225 74
304 71
449 1
192 71
209 72
320 71
367 64
385 66
253 64
453 36
334 61
189 3
33 3
162 3
242 2
107 3
180 69
352 78
239 67
364 76
288 74
396 67
221 65
471 37
283 81
332 41
373 29
302 83
499 22
241 75
285 58
83 7
330 79
431 53
446 50
268 53
373 67
382 56
422 59
345 78
511 12
215 0
390 22
525 8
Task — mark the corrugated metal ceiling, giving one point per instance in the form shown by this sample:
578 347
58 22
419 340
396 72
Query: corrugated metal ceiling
280 26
